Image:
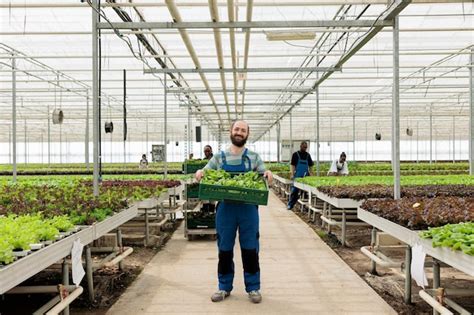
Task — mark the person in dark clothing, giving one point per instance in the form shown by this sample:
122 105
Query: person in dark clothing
301 164
208 152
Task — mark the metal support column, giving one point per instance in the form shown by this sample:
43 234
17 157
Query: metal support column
316 92
65 271
471 114
291 134
417 142
90 280
396 112
95 100
166 127
14 115
353 133
373 240
120 245
366 141
86 140
330 139
454 140
278 141
407 265
26 144
436 279
49 136
431 136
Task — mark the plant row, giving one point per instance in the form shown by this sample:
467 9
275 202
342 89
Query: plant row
420 213
455 236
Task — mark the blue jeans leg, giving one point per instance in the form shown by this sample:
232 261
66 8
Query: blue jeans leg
226 226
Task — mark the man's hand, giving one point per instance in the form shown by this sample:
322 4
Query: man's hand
269 176
199 174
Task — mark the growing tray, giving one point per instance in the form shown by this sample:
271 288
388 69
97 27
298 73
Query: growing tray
192 190
234 194
191 168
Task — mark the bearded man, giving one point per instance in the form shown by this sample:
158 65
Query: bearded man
231 217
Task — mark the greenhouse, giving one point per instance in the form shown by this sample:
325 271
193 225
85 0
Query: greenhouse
138 137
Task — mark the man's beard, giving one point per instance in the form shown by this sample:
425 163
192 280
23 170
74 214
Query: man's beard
238 143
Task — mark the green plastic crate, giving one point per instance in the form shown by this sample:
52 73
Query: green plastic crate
234 194
192 190
191 168
208 222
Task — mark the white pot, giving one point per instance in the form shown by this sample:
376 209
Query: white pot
64 234
36 246
46 243
20 253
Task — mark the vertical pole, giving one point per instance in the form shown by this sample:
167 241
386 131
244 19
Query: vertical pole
471 113
373 240
366 141
42 147
431 136
65 271
120 245
330 138
454 140
26 145
436 279
407 297
317 117
14 115
166 126
291 134
90 280
396 112
278 142
417 141
95 104
125 128
353 133
60 144
49 137
86 140
146 137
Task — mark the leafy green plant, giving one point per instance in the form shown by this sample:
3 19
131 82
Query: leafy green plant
250 180
456 236
62 223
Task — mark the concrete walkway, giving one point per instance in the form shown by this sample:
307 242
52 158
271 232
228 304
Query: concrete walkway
300 274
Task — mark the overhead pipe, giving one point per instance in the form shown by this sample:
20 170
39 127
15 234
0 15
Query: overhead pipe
231 15
214 11
246 50
173 9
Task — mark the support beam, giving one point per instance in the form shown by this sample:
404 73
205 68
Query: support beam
244 24
95 98
471 114
166 126
242 70
278 141
316 92
14 116
86 140
396 112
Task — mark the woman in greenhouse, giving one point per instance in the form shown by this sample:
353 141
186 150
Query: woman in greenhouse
233 216
339 167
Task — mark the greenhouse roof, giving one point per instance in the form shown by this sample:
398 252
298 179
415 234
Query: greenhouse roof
282 50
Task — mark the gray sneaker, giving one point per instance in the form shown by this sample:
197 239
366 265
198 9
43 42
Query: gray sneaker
255 296
219 296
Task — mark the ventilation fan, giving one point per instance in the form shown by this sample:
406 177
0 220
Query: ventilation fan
58 117
109 127
378 136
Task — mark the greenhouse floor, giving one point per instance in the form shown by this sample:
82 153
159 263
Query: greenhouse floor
300 274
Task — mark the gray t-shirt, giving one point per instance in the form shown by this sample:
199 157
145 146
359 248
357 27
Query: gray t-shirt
256 162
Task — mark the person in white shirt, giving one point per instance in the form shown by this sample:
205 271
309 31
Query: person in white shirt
143 162
339 167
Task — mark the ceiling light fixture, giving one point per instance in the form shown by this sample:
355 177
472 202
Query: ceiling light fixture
290 35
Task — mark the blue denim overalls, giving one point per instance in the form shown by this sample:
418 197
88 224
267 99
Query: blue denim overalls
244 217
302 169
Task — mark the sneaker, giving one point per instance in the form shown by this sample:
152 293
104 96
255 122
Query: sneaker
219 296
289 207
255 296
